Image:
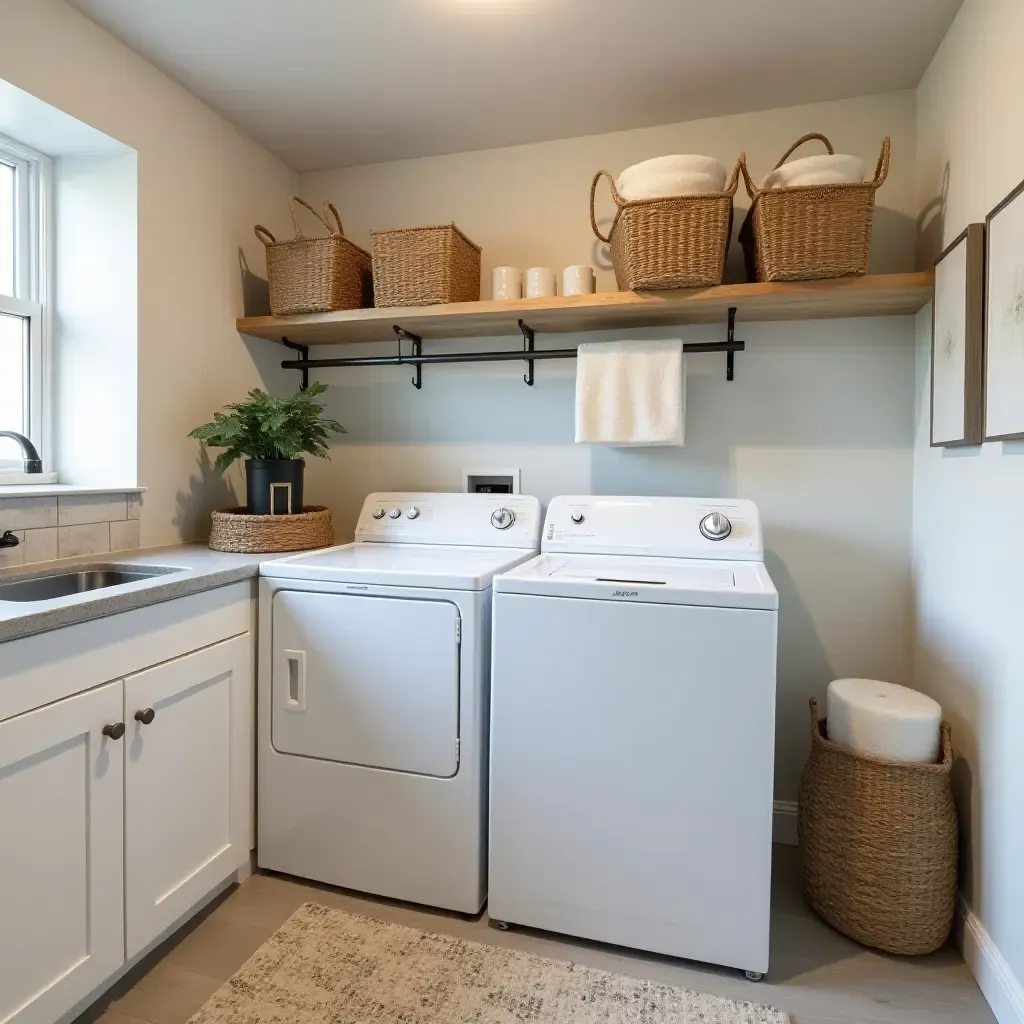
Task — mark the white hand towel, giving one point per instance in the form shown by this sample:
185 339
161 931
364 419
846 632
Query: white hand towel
630 393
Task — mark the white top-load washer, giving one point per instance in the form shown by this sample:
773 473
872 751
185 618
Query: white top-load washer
373 689
632 729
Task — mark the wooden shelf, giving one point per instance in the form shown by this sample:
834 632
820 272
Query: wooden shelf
877 295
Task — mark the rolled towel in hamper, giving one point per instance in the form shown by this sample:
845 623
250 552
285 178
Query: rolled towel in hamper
882 719
681 174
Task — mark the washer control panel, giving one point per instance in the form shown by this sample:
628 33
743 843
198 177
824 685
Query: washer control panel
484 520
726 528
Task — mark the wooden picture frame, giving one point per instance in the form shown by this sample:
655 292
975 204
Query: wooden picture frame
1004 319
958 342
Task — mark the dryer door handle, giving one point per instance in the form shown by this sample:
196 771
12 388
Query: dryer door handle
295 689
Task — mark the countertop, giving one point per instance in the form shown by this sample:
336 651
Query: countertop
202 569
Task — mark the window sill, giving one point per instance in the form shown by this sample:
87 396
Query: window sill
13 479
19 490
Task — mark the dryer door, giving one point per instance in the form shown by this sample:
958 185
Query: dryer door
366 680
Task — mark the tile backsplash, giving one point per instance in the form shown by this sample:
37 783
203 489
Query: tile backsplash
63 525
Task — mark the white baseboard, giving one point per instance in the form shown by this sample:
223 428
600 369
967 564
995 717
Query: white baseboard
784 822
1001 989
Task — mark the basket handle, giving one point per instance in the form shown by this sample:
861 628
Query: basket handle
618 202
264 235
752 190
799 142
882 167
331 210
815 721
292 200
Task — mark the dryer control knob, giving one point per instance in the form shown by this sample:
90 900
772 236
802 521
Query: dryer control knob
412 512
502 518
715 526
394 513
577 517
378 512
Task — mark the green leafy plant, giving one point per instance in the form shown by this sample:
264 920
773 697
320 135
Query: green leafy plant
264 427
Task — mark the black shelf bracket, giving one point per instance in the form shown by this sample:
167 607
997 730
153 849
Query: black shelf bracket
417 351
303 351
731 340
528 340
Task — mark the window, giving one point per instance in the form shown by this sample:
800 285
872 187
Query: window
24 227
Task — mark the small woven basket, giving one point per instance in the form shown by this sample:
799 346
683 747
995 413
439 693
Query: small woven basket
235 530
878 841
668 242
424 266
316 275
808 232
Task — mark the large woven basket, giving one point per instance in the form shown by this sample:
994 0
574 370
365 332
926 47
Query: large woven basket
668 242
807 232
316 275
878 840
235 530
424 266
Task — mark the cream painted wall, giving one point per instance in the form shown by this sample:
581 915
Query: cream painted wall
201 187
968 519
817 428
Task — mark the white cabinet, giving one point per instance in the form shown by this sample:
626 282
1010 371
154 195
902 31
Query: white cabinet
186 796
61 897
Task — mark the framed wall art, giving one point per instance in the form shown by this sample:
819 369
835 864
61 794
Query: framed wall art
1004 319
958 341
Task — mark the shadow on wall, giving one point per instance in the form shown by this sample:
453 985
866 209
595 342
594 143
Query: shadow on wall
931 225
255 290
207 490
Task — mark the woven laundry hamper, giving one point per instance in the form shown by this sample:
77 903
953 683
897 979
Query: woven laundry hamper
809 232
878 842
234 530
668 241
316 275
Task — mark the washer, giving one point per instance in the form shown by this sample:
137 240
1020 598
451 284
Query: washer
373 697
632 729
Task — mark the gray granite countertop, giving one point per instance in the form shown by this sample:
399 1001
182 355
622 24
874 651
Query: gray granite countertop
200 569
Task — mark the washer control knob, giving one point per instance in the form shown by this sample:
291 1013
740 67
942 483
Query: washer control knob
378 512
502 518
577 517
715 526
412 512
394 513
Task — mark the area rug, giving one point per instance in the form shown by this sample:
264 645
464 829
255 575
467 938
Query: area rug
325 965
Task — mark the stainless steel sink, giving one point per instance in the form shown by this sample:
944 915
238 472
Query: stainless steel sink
62 584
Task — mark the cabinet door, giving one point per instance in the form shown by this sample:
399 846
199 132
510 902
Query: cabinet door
61 902
186 783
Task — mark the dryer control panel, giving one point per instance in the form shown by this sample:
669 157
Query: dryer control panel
480 520
727 528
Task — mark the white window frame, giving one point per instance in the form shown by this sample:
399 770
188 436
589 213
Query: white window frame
33 297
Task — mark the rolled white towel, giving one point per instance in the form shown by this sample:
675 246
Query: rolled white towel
826 169
883 720
672 175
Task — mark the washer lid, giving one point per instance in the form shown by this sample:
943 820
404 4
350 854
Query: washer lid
718 584
400 565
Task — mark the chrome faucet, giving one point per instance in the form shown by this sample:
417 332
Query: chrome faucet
33 464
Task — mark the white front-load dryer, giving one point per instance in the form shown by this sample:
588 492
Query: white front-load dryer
373 697
632 729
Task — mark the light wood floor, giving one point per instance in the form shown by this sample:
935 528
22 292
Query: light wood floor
816 975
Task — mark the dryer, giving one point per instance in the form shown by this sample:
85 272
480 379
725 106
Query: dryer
632 729
374 667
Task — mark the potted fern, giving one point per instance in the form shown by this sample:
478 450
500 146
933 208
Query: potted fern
270 434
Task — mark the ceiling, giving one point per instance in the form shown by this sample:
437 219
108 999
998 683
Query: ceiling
325 83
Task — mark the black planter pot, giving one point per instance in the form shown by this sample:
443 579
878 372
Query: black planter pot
273 486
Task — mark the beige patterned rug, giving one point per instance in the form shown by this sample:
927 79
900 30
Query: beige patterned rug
326 965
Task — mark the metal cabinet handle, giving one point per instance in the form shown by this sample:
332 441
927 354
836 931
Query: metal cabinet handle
115 731
145 715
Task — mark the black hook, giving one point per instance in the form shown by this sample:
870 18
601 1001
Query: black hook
528 339
303 351
417 350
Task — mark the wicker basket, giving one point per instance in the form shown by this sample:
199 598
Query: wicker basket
807 232
316 275
668 242
424 266
235 530
878 840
